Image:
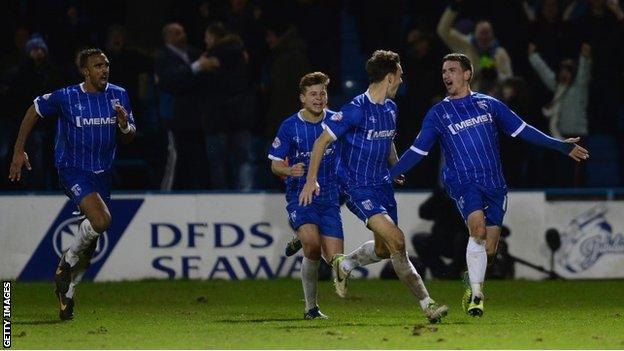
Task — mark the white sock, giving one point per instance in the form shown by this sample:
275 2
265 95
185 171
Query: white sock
476 259
410 277
309 280
86 235
72 286
361 256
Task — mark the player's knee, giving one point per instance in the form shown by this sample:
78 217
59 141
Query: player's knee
478 232
101 222
396 242
312 250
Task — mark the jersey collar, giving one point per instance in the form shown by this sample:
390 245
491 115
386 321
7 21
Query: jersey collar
367 94
303 119
86 92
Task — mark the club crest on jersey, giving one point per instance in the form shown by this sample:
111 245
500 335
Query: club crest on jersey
469 123
483 105
447 116
76 189
372 119
276 143
115 102
79 107
297 139
368 205
336 117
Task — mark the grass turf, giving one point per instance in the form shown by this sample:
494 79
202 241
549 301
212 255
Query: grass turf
268 314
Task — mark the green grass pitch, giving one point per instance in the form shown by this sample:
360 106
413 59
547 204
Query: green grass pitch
268 314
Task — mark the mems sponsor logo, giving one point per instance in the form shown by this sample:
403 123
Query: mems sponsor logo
95 121
469 123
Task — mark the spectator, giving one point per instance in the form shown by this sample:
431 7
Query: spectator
567 112
228 112
131 68
492 63
35 75
602 27
179 72
286 65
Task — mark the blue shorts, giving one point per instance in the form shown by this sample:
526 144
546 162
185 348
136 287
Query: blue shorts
367 201
472 197
78 183
325 216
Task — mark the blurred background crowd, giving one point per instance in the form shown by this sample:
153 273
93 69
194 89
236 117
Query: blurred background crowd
210 81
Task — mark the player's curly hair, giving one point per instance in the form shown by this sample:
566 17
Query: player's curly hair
381 63
463 60
311 79
84 55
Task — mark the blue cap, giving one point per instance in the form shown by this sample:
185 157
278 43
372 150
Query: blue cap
36 41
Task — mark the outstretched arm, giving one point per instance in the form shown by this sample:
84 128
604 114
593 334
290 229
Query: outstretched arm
311 186
409 159
420 148
20 158
566 147
514 126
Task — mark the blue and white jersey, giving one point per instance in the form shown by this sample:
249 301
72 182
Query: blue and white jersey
364 131
468 131
295 139
87 125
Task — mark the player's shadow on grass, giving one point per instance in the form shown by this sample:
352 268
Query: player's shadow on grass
40 322
323 325
258 320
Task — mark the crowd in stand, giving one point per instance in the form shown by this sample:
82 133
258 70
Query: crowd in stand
210 81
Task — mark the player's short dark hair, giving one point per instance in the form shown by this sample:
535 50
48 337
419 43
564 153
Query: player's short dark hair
84 54
311 79
463 60
381 63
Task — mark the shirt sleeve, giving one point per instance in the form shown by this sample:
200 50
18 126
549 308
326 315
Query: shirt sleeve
428 135
48 105
340 122
507 120
125 102
281 145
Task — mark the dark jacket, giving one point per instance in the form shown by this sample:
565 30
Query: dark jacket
176 79
228 104
288 64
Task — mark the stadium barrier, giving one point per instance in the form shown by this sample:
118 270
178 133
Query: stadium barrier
242 236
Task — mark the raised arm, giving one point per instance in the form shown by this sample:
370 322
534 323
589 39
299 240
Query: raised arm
20 158
454 39
584 68
311 186
543 71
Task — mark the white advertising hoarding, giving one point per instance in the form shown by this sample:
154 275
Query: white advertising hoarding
242 236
